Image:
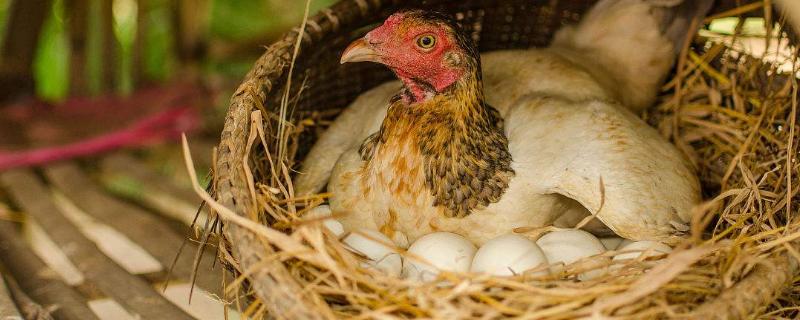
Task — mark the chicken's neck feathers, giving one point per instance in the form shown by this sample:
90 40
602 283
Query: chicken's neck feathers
458 139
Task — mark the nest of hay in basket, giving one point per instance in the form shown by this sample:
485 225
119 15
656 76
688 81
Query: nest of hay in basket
733 115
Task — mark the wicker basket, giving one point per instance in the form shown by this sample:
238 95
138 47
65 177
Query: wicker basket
329 86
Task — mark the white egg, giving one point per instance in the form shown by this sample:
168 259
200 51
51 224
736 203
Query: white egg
611 243
508 255
323 211
378 248
438 251
569 246
639 248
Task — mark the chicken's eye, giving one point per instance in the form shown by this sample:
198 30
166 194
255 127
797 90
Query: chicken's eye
426 41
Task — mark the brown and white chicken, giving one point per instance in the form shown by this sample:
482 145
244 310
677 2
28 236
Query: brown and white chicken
481 145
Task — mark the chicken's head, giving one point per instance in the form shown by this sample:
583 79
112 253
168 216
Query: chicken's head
426 50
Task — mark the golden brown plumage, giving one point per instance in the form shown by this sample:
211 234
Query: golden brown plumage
452 144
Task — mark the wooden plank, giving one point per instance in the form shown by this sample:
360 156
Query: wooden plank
27 307
8 309
46 250
110 309
123 251
132 292
155 190
35 278
142 227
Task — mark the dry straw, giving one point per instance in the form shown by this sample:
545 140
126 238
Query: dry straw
733 115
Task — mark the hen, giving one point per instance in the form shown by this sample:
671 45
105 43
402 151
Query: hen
545 140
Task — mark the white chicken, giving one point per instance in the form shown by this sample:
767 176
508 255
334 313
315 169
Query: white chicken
539 135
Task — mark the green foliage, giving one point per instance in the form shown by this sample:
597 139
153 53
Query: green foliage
243 19
3 16
124 185
159 63
230 21
94 48
51 65
238 19
125 29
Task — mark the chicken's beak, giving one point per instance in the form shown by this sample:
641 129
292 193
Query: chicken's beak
359 50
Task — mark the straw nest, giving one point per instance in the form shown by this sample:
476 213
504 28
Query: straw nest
730 113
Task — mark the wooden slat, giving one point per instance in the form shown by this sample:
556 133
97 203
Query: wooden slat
160 193
27 307
132 292
8 310
34 277
142 227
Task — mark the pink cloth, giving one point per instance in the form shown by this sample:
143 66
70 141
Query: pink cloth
84 127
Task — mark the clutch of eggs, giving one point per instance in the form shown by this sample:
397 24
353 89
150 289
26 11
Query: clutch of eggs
506 255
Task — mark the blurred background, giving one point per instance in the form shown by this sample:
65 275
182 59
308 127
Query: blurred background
60 48
72 70
94 95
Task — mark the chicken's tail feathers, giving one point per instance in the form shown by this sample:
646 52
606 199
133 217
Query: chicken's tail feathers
630 45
